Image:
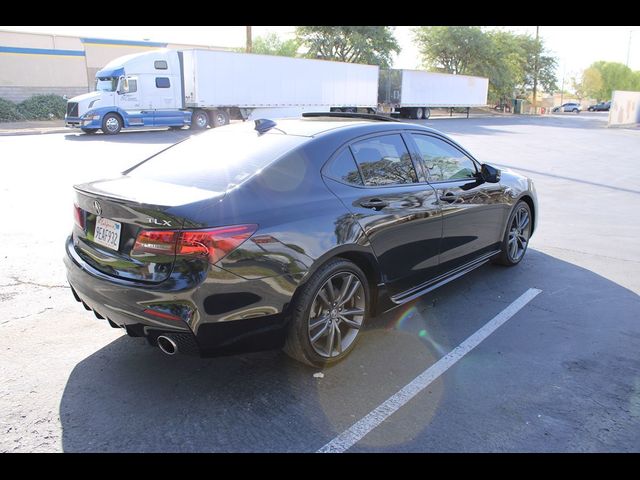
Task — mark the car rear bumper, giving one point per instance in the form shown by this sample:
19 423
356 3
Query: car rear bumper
224 314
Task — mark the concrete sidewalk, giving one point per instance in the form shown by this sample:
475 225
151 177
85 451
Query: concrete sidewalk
33 127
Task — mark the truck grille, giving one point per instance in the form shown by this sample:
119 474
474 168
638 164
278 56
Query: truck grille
72 109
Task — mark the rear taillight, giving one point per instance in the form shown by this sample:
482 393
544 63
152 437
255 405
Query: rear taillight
78 215
214 243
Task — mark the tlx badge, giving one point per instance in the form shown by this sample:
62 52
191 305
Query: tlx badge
163 223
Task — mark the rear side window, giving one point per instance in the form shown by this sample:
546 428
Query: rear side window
344 169
162 82
443 161
384 160
160 64
218 159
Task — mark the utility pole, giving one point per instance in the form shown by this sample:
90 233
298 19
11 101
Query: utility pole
249 42
535 73
564 69
629 47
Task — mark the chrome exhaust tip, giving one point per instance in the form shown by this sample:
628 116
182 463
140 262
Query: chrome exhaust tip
167 345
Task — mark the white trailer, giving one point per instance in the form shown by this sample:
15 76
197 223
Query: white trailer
412 93
176 88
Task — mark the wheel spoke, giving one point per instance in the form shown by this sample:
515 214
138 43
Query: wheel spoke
513 248
320 333
322 295
353 311
350 323
524 220
331 290
330 339
339 339
345 287
354 288
318 322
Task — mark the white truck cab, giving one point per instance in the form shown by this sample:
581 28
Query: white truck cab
139 90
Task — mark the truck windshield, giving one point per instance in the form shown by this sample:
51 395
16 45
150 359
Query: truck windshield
106 84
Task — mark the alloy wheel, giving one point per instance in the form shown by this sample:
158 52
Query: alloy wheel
519 233
336 314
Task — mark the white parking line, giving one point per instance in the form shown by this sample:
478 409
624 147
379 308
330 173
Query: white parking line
358 430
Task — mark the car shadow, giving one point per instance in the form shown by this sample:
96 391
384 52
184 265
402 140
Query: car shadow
128 397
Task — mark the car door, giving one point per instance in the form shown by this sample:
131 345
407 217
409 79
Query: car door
473 211
377 180
130 99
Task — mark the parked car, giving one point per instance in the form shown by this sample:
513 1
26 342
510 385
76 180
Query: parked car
600 107
290 233
568 107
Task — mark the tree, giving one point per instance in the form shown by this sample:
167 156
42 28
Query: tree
458 50
507 59
614 76
590 85
271 44
547 64
360 44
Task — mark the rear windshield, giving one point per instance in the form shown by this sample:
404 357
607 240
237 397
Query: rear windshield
219 159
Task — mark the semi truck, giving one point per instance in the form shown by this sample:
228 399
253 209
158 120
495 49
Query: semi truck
198 88
413 93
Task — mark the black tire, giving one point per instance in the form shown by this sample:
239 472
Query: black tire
199 120
219 118
111 124
298 343
89 131
506 257
418 113
575 110
427 113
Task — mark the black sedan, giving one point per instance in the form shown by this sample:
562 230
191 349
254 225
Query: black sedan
600 107
289 234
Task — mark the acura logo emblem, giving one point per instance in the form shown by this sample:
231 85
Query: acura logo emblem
97 206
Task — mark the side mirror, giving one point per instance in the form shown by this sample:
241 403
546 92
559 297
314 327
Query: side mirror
490 174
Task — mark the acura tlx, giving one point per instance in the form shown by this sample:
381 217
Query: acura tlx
289 234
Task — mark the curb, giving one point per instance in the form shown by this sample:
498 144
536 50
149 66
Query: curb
33 131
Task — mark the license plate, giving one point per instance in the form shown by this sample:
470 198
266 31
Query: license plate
107 233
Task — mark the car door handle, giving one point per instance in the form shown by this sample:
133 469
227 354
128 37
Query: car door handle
449 197
374 203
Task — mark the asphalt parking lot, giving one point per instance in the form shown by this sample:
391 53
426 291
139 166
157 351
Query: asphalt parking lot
561 374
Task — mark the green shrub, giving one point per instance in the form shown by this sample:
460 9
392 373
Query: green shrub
43 107
9 111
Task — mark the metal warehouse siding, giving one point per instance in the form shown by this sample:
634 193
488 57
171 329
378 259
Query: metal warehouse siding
35 63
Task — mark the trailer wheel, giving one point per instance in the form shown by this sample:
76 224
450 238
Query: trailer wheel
199 120
418 113
220 118
427 113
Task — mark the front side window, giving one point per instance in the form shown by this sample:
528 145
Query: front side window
130 85
443 161
106 84
384 160
162 82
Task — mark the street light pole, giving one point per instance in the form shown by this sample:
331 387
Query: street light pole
249 40
629 47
